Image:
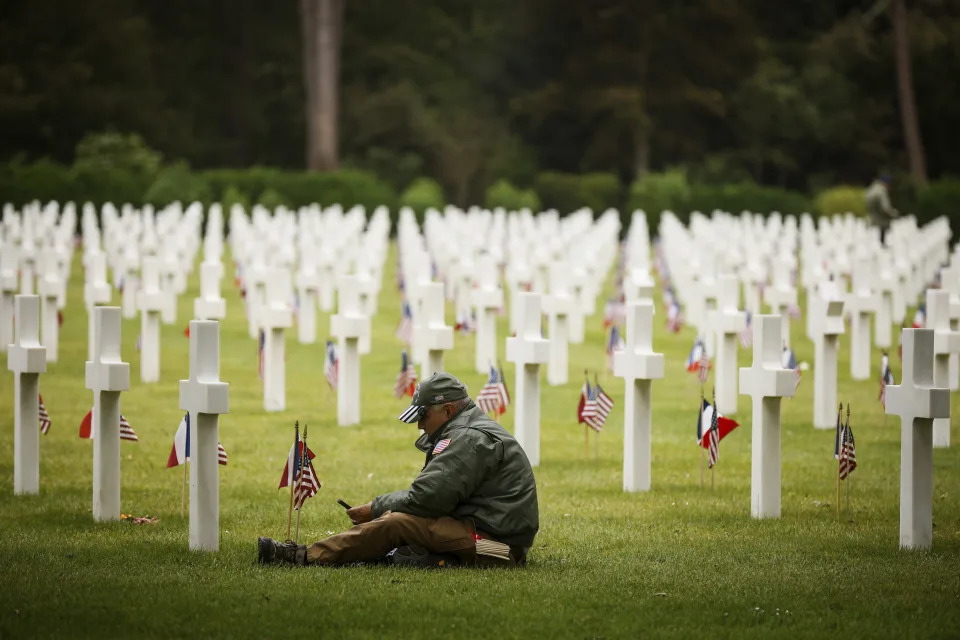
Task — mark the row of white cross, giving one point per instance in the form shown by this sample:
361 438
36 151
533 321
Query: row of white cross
106 375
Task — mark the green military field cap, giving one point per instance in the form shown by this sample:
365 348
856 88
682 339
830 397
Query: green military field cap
437 389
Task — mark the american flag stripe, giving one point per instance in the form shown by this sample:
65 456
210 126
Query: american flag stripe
44 417
221 454
443 444
126 431
307 487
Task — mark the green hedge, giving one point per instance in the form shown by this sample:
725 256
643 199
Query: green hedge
568 192
503 194
21 183
940 198
422 194
841 199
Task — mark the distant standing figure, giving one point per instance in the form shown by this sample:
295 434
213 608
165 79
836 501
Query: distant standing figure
878 205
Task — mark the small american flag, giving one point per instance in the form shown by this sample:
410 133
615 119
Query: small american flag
261 342
793 310
674 317
585 404
443 444
886 377
614 343
331 365
697 360
601 406
789 361
493 397
746 334
713 441
848 453
44 418
126 431
920 317
407 378
308 485
404 330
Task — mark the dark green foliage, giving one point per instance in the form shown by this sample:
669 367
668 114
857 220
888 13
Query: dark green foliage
347 187
233 196
503 194
747 196
567 192
21 183
111 151
423 193
271 199
656 193
177 183
841 200
941 198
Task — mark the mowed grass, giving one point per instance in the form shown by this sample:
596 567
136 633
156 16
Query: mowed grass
677 561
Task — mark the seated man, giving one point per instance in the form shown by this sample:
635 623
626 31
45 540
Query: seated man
474 502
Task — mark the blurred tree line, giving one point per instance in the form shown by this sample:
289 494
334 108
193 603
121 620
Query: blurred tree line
790 95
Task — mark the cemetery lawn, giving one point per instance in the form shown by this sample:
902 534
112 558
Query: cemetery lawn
679 561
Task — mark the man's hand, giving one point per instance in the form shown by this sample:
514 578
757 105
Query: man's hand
361 514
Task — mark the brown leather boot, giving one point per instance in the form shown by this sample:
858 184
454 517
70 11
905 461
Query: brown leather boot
271 551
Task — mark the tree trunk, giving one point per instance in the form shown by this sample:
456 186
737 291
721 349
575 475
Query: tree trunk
322 27
908 107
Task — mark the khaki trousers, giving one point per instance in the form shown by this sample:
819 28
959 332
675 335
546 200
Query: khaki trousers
374 539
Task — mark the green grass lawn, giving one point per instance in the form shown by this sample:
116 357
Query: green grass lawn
678 561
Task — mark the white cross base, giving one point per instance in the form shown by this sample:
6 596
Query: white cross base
206 398
918 403
766 382
528 350
26 358
106 375
638 365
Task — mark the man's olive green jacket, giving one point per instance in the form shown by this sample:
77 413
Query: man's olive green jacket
474 469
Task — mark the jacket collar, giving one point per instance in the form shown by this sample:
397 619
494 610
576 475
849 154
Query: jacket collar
426 442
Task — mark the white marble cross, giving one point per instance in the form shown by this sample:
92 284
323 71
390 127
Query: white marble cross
860 304
780 297
206 398
950 281
945 343
918 402
433 335
106 375
96 291
827 328
26 358
275 318
727 321
131 281
638 365
48 286
558 306
349 325
487 299
766 382
9 284
209 305
308 287
151 302
528 350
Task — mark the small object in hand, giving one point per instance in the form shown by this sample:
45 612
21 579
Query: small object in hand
343 504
